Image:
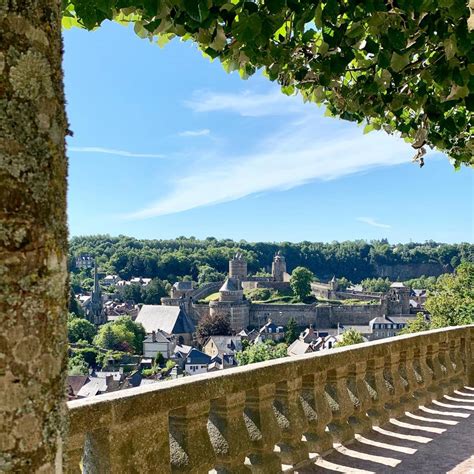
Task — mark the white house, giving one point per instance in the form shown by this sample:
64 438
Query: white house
197 362
158 341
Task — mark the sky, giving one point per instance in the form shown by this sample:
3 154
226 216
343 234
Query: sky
166 144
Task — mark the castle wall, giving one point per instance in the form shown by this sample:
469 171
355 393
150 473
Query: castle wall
320 316
237 313
274 285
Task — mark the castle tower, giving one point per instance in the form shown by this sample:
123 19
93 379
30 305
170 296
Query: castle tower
238 267
398 299
278 267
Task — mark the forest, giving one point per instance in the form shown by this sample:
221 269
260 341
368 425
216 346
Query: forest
207 260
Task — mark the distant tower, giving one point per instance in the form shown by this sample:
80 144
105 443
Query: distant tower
398 299
333 284
278 267
96 313
238 267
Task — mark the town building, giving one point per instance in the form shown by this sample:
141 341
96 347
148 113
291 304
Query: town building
171 320
158 342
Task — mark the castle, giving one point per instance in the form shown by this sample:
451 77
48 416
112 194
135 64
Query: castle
322 315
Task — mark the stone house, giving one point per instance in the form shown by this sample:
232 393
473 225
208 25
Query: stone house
223 347
171 320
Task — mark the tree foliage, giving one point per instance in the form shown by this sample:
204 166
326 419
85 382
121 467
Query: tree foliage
77 365
260 352
451 303
291 333
404 66
174 259
377 285
79 329
420 323
300 282
349 337
123 334
213 325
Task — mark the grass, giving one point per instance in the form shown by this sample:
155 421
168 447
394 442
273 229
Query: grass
211 297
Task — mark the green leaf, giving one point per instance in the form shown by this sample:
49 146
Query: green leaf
398 62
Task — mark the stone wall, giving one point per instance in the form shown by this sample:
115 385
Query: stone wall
320 316
303 404
274 285
407 271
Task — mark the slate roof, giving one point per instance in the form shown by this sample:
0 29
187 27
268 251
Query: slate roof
226 344
195 356
159 336
299 347
397 284
231 284
170 319
76 382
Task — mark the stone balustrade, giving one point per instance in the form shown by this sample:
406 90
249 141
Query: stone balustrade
269 417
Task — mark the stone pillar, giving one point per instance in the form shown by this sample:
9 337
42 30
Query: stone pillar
292 422
377 391
394 383
264 431
33 238
341 405
318 413
360 397
191 448
228 433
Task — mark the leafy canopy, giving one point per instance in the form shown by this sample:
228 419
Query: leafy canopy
300 282
122 334
404 66
349 337
79 329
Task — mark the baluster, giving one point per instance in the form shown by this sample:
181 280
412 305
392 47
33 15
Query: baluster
412 398
426 374
447 366
318 413
377 390
394 385
432 361
191 448
459 373
263 430
360 397
292 422
74 453
228 433
341 405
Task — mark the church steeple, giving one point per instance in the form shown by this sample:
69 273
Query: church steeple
96 279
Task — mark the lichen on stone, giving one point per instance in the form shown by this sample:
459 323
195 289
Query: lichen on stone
31 76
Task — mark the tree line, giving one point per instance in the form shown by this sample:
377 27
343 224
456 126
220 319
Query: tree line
207 260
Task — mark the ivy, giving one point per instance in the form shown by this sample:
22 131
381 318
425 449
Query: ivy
403 66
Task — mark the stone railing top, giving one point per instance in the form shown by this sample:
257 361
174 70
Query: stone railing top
171 395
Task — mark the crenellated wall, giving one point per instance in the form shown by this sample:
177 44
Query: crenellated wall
266 415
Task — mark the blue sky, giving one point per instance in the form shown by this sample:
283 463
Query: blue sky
167 144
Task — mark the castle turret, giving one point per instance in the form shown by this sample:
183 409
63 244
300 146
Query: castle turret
238 267
278 267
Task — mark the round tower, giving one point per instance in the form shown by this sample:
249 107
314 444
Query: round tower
238 267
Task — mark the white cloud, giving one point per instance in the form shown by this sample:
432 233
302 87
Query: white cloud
111 151
372 222
302 152
195 133
249 104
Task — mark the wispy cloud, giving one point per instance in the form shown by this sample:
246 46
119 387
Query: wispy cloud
302 152
372 222
111 151
247 103
195 133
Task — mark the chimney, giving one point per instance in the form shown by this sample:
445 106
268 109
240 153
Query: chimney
153 336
